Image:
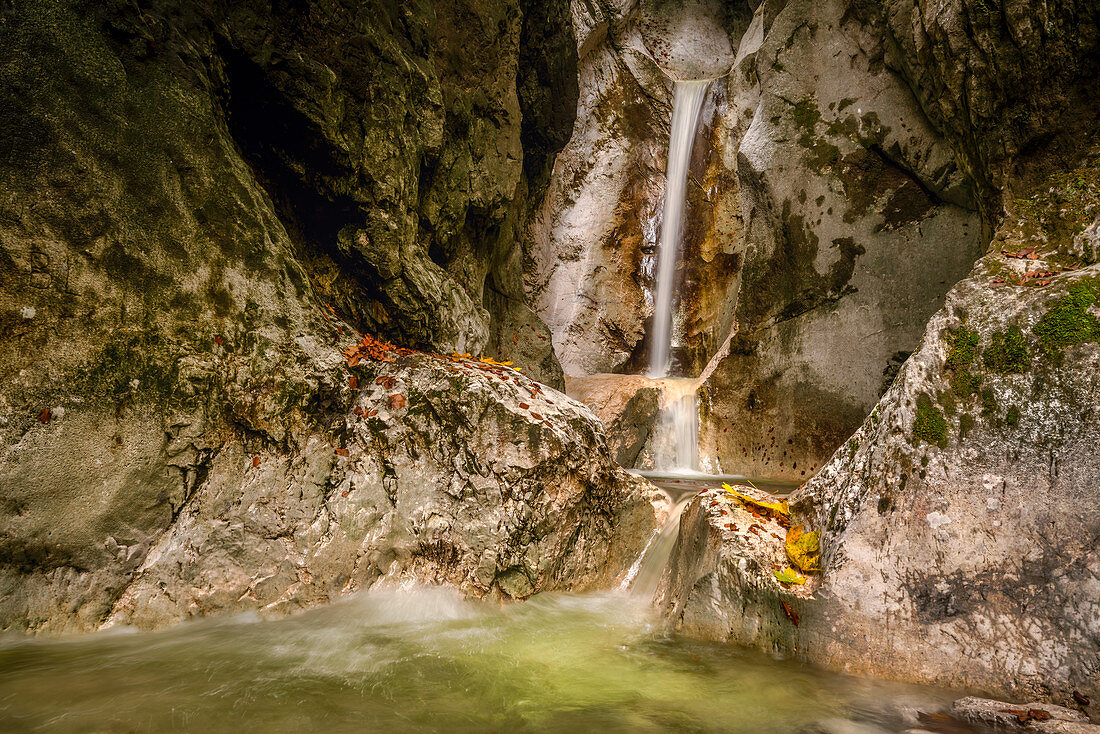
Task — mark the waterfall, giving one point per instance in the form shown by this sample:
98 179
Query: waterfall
643 580
686 105
676 448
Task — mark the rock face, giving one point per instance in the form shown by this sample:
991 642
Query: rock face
960 523
825 210
998 714
450 472
187 184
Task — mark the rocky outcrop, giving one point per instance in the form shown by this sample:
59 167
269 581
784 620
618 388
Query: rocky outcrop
960 523
444 471
1035 716
186 185
850 168
628 405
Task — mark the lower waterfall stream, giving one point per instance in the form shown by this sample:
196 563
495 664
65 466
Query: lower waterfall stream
425 660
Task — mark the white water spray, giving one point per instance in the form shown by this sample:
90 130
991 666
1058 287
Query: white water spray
643 580
686 106
676 448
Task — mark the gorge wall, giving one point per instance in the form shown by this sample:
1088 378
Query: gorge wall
958 525
849 170
203 205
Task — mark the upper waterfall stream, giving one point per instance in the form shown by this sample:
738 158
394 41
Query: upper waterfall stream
678 435
686 106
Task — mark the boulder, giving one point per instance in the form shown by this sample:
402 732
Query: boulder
443 471
204 203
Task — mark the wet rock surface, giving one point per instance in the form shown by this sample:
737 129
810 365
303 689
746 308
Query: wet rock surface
847 174
1034 716
720 582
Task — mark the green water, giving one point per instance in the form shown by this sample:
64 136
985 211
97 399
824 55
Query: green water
425 660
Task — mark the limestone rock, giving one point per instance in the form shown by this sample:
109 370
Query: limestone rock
448 473
813 169
958 523
188 184
999 714
627 404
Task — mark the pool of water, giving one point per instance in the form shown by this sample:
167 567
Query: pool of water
680 483
426 660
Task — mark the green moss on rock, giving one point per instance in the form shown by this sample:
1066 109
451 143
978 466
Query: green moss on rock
1013 416
960 357
930 424
131 362
1008 353
1068 322
966 425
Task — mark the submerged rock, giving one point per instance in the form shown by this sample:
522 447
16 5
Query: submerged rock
1035 716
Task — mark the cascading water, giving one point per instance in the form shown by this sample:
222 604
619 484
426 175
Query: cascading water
677 445
644 579
686 106
676 448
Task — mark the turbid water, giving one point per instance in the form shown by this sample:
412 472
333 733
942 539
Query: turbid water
425 660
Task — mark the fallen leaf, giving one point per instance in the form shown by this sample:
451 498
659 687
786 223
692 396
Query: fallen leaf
44 416
789 576
803 549
776 509
397 401
790 612
536 416
1080 698
341 452
524 406
353 382
255 461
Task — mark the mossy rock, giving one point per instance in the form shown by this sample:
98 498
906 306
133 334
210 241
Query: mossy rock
930 425
1068 321
960 358
1008 353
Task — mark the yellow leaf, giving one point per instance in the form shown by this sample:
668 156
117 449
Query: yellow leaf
789 576
803 549
768 508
